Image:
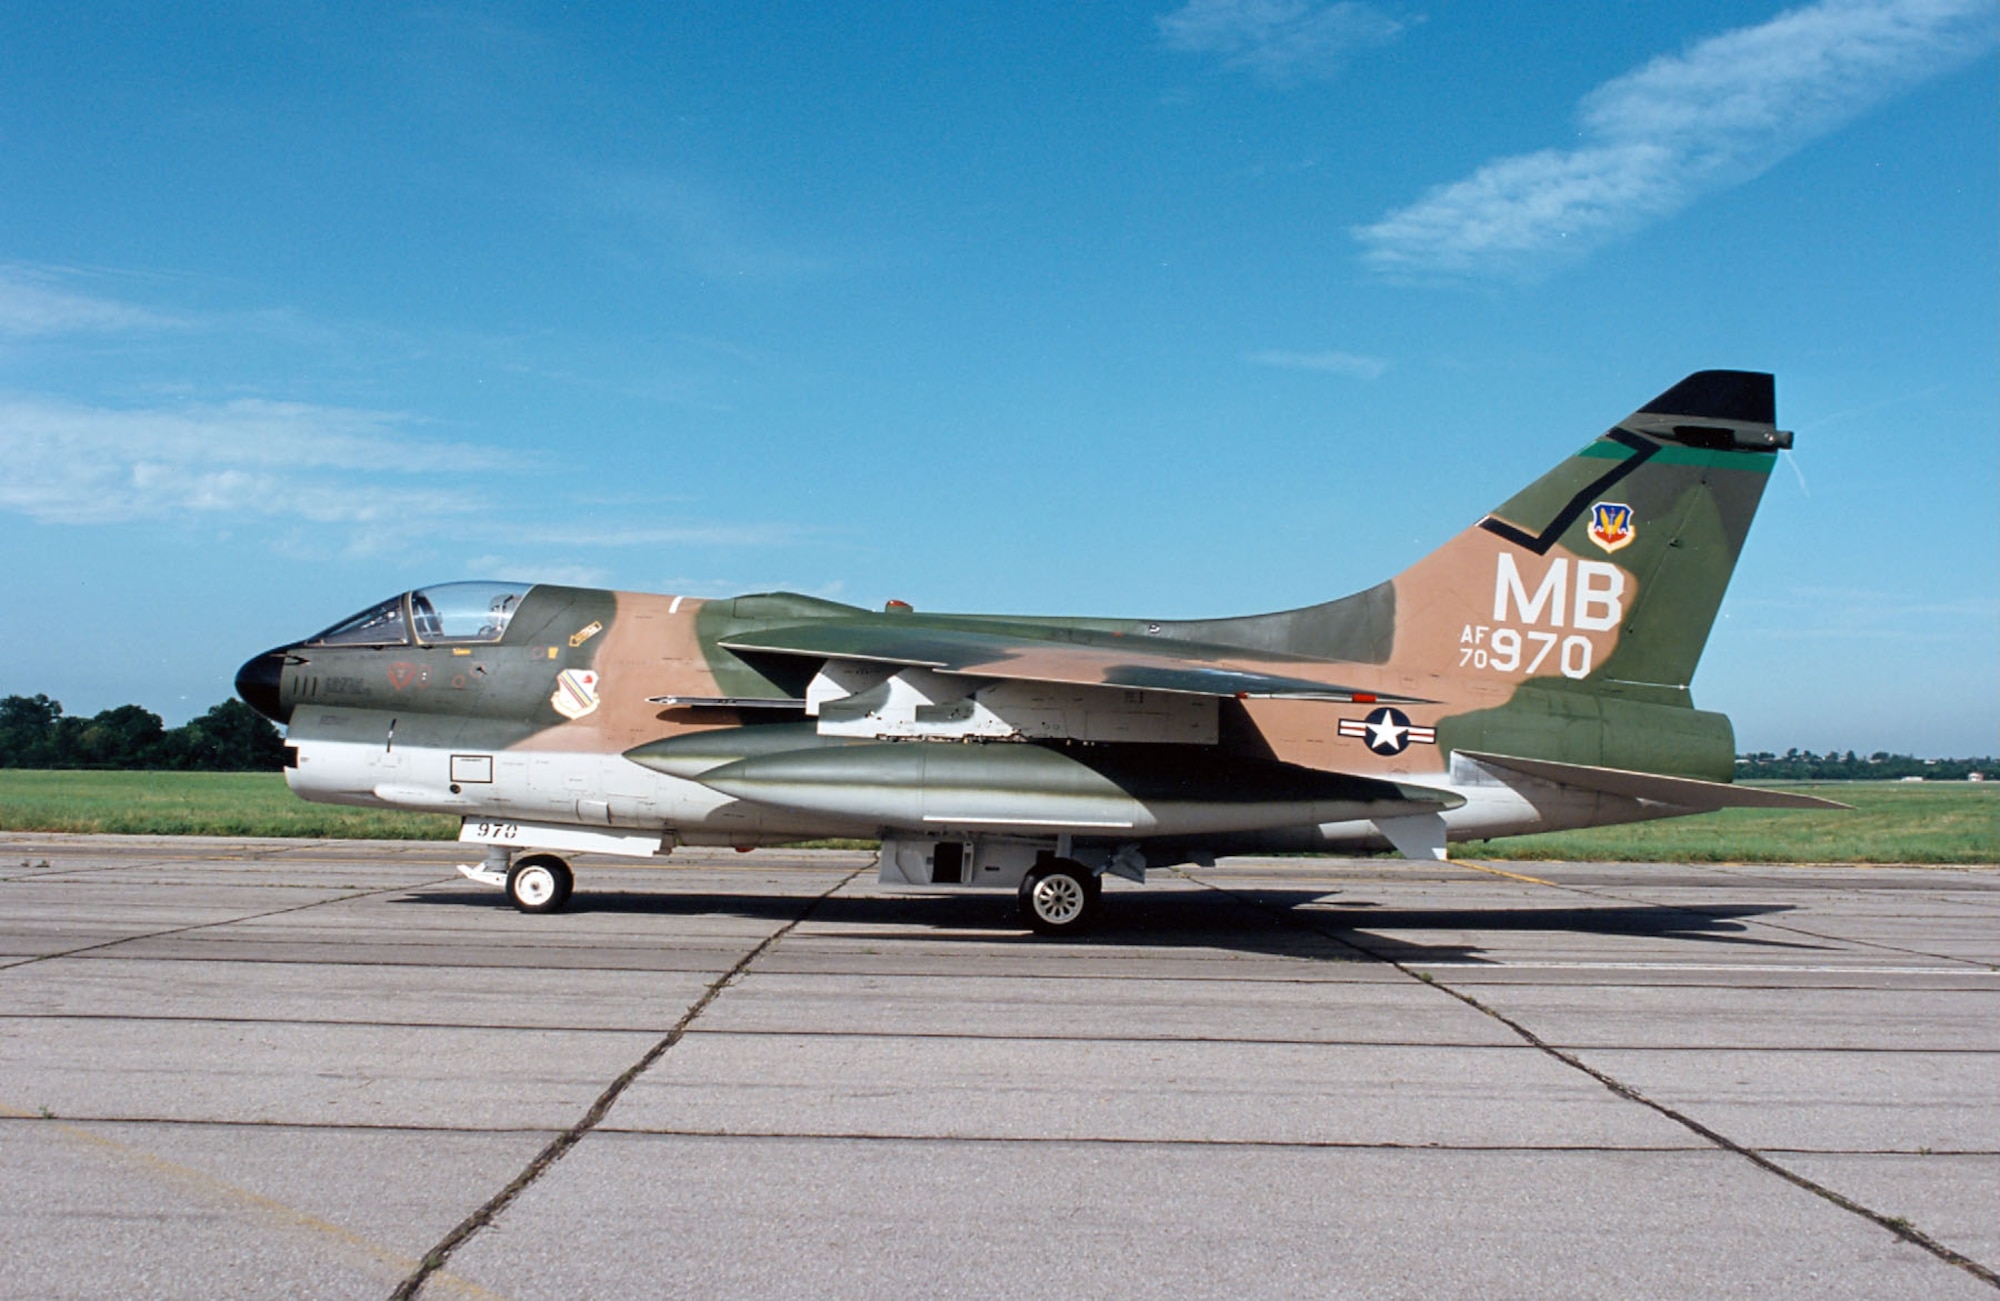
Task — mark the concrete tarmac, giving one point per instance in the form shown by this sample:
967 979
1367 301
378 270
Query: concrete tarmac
311 1068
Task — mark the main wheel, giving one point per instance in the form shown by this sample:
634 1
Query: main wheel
540 883
1060 898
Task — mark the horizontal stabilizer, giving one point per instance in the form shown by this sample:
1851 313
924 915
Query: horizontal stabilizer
1686 792
1161 666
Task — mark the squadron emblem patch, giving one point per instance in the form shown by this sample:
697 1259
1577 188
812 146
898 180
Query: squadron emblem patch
1611 525
575 694
1388 731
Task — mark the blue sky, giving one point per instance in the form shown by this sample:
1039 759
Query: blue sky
1168 310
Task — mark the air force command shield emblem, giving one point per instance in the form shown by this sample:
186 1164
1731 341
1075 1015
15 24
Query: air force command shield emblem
1611 525
575 693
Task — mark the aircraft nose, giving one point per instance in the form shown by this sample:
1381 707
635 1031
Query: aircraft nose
258 683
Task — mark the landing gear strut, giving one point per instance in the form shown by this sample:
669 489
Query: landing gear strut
540 883
1060 897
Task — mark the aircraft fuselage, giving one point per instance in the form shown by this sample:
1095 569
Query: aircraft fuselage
1531 674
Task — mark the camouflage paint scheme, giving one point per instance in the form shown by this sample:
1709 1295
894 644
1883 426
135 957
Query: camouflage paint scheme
1531 674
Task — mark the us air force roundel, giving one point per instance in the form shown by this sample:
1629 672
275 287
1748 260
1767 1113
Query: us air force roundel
1388 731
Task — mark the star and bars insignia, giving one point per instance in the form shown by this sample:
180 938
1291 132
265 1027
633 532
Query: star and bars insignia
1388 731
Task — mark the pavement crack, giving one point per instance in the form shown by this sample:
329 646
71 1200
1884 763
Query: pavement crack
1896 1225
434 1259
1765 922
198 926
1972 963
1902 1228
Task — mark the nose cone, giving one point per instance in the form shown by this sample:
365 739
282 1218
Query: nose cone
258 683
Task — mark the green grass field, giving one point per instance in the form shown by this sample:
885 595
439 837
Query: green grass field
1892 822
194 804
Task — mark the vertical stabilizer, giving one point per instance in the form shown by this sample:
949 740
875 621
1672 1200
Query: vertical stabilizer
1580 606
1650 519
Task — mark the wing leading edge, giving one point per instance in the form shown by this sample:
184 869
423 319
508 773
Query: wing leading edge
1191 669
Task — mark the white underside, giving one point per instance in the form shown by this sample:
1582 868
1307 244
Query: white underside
604 803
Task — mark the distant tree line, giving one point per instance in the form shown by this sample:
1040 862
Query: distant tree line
232 737
1804 765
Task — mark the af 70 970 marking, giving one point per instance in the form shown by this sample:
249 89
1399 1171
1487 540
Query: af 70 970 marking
1502 650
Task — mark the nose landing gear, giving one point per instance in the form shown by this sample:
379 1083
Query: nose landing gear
538 883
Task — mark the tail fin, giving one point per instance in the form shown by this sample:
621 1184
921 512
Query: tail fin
1567 623
1630 543
1609 568
1579 607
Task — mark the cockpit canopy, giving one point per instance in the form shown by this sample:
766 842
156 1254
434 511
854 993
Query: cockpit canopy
447 612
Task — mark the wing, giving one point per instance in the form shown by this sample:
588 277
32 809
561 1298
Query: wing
1188 668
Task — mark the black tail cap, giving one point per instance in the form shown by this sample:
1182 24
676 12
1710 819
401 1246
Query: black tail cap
1741 395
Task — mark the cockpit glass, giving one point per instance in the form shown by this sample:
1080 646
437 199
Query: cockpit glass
380 626
465 611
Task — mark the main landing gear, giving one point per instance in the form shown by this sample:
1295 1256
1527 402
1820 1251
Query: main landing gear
1060 897
540 883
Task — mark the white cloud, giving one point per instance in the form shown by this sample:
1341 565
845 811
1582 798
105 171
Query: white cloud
363 475
32 306
1330 363
1657 138
650 535
696 224
538 571
1280 41
74 464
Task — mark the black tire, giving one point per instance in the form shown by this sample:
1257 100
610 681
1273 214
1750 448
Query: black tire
1060 898
540 883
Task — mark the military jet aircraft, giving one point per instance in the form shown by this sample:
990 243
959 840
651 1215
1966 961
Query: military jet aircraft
1530 675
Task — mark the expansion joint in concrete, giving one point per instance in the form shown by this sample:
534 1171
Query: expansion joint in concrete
434 1259
1896 1225
201 926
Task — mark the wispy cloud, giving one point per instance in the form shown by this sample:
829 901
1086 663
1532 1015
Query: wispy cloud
1851 614
1657 138
74 464
356 481
538 571
1328 363
1278 41
696 225
649 535
35 304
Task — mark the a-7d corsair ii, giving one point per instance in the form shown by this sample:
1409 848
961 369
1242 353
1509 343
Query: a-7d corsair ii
1530 675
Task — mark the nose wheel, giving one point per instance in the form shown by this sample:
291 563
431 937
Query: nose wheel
1060 897
540 883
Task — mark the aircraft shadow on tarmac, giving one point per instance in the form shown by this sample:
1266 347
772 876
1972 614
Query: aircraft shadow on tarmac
1275 922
